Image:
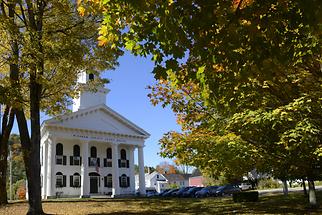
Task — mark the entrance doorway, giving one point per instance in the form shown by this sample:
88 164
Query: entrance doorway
94 182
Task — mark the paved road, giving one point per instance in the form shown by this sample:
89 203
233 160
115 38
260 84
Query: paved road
280 190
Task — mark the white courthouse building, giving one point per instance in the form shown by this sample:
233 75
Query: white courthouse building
90 151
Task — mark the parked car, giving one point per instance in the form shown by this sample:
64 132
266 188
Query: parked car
150 193
191 192
180 191
206 192
163 191
227 190
169 193
245 186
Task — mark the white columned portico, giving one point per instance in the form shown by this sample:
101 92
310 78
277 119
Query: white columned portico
44 163
132 173
84 170
50 167
141 171
115 174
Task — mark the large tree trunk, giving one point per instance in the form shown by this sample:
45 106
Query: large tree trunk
33 158
312 196
304 186
285 188
7 123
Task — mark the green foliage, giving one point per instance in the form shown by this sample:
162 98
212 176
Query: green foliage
268 184
243 77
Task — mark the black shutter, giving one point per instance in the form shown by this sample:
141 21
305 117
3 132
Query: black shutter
119 163
71 160
89 161
105 181
120 184
98 162
105 162
64 160
128 181
64 180
71 181
80 161
80 181
127 164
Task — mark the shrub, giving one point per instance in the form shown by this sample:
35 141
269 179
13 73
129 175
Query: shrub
251 196
268 184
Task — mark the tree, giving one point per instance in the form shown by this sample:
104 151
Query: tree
50 44
6 127
253 61
166 168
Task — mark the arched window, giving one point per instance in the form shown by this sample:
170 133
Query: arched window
59 149
123 154
60 180
91 76
60 158
76 150
93 152
75 180
124 181
109 153
108 181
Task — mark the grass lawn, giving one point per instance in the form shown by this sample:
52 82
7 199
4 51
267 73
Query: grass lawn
276 204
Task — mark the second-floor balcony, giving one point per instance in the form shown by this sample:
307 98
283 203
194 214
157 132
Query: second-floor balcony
124 163
93 161
107 162
60 160
75 160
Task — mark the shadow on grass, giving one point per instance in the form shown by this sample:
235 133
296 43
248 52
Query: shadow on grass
294 204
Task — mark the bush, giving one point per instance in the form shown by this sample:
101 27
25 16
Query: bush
251 196
268 184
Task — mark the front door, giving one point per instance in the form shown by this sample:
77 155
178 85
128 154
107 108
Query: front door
93 184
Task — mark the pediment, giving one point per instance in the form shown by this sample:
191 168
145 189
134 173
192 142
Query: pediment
99 118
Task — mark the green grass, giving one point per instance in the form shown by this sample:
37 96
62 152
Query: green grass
295 203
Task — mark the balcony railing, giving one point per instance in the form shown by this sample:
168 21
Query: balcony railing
75 160
93 161
60 160
124 163
107 162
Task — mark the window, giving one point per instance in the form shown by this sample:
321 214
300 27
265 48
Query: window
75 180
109 153
108 181
124 181
123 154
123 163
75 159
91 76
76 151
60 180
158 177
59 149
60 158
93 152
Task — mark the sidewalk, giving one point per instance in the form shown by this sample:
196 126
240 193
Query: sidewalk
280 190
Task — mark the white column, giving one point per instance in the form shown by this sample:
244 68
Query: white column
51 167
44 173
132 174
84 170
115 169
141 171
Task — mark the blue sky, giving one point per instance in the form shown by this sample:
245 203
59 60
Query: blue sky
128 97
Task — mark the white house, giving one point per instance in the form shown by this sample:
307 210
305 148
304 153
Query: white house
155 181
91 150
